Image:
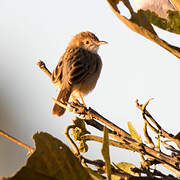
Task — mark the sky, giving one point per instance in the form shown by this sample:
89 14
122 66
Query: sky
133 68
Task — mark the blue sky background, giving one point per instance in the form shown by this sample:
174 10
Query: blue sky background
133 68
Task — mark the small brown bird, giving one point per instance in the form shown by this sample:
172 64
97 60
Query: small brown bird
78 69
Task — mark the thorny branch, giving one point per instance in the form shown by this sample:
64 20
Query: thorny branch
124 139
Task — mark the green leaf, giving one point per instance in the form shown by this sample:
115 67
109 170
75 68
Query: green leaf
105 153
127 167
52 160
171 25
134 133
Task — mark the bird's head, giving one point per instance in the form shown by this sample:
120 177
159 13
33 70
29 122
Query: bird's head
86 40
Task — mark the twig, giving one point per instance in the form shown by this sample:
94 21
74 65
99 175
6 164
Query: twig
144 117
98 125
176 171
140 106
163 132
169 147
70 139
90 137
108 123
62 105
42 66
148 138
11 138
112 134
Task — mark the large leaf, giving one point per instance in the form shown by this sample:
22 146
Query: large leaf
140 25
52 160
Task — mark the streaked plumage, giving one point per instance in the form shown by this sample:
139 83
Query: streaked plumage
78 70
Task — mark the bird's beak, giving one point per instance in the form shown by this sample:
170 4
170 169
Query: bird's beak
102 42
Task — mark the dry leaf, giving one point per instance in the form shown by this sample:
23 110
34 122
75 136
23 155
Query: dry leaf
127 167
52 160
134 133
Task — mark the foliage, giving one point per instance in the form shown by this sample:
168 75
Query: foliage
171 25
140 24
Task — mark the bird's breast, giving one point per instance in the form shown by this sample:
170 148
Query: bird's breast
89 82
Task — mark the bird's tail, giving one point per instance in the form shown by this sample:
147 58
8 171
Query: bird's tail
63 96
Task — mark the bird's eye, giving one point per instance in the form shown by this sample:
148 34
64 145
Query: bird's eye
87 42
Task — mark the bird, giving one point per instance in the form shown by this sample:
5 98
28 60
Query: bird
160 7
78 69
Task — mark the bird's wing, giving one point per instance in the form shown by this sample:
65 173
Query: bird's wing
80 65
58 72
74 66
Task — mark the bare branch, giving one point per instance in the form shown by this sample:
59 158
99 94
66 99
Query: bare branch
15 140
